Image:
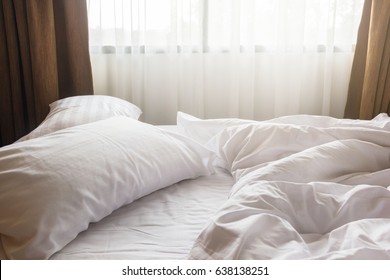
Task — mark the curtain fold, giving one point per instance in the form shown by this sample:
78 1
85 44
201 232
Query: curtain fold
71 29
44 56
369 88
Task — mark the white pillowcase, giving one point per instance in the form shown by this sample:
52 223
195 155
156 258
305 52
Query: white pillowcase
82 109
52 187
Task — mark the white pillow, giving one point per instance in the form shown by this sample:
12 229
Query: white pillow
52 187
82 109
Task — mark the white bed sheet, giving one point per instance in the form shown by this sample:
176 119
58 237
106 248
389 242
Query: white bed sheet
162 225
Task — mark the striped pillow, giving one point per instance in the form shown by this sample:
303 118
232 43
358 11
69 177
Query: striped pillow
77 110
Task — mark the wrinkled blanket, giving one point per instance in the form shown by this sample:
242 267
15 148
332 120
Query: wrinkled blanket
303 191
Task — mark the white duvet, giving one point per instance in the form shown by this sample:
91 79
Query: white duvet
306 188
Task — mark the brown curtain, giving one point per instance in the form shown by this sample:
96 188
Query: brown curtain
43 57
369 88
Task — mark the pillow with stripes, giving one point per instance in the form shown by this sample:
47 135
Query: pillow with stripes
77 110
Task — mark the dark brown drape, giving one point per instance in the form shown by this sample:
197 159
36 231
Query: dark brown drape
43 57
369 88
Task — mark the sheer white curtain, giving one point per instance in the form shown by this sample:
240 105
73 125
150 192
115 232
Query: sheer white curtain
254 59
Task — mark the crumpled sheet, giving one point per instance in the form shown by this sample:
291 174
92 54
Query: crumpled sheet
325 195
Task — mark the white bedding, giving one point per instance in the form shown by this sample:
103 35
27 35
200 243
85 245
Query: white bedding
285 220
295 187
54 186
303 191
162 225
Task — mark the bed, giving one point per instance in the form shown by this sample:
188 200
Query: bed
94 182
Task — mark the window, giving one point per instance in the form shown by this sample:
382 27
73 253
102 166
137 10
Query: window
223 25
254 59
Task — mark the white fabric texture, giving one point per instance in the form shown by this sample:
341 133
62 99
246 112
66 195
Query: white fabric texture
303 192
162 225
246 147
77 110
203 130
53 186
286 220
252 59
